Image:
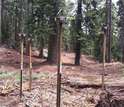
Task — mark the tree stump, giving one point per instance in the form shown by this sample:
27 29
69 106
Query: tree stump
108 100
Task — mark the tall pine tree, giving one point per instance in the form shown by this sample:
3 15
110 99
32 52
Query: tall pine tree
121 26
78 30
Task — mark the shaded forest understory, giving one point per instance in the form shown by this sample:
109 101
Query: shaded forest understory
81 85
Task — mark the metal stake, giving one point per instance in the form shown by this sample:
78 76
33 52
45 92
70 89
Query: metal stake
104 54
22 62
58 102
30 65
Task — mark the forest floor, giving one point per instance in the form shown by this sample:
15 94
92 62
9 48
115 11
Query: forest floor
81 85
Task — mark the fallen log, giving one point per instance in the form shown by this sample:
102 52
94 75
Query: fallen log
85 84
79 85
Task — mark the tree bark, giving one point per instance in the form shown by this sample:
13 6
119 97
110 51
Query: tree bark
78 26
52 45
123 55
77 52
2 22
16 27
0 18
109 29
41 52
121 26
52 49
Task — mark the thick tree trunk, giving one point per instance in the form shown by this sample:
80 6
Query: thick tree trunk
52 49
41 52
16 28
52 46
0 18
121 26
77 52
2 22
28 7
109 30
78 25
123 55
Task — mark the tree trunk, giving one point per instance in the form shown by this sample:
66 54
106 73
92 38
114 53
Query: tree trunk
52 49
109 29
28 7
52 45
0 18
121 27
77 52
123 55
16 27
2 22
41 52
78 27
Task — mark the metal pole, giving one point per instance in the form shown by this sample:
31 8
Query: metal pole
22 63
59 26
104 54
30 65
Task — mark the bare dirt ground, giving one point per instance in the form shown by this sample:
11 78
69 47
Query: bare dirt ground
81 85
